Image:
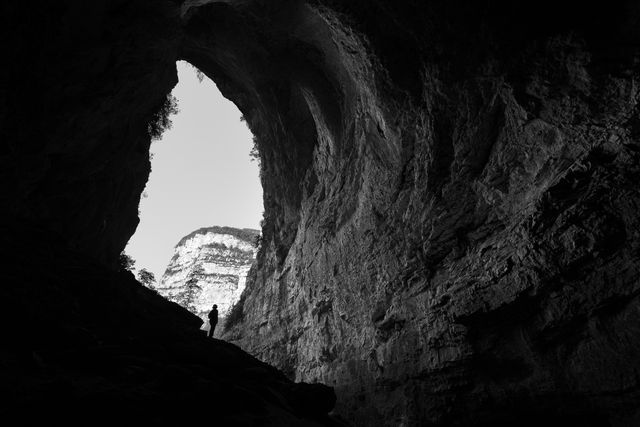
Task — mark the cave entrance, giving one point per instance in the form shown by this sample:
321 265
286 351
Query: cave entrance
204 173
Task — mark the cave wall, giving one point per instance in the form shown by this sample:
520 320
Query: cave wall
465 248
83 80
450 232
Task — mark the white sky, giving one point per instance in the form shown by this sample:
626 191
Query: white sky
201 174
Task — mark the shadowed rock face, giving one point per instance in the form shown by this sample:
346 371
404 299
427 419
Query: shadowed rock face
451 209
84 345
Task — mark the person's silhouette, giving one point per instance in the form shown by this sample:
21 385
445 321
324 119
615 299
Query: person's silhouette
213 320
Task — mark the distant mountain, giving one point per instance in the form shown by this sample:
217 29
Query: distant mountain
209 266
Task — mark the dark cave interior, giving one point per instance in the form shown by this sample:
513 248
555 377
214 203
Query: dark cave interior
451 213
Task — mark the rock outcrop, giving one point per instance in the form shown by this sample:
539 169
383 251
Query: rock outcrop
209 266
450 187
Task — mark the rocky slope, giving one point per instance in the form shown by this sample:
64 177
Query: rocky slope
85 345
451 204
209 266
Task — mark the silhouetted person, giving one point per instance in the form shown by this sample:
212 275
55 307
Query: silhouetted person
213 320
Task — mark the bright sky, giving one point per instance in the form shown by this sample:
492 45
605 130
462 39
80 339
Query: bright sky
201 174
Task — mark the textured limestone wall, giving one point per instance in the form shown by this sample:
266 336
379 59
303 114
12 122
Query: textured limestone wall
465 246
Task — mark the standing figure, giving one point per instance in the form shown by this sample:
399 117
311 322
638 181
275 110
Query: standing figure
213 320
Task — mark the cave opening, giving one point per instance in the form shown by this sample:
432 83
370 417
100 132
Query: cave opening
204 175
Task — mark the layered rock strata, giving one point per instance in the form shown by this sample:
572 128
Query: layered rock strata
209 266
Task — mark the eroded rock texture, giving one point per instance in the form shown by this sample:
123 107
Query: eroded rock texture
465 249
451 207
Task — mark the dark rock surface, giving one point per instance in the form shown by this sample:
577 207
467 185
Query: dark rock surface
465 249
451 203
83 345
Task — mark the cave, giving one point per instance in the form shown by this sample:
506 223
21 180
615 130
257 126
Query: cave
451 218
204 172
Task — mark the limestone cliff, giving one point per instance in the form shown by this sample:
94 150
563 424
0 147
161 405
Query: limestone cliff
209 266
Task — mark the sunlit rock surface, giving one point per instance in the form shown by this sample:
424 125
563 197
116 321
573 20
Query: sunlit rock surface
209 266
